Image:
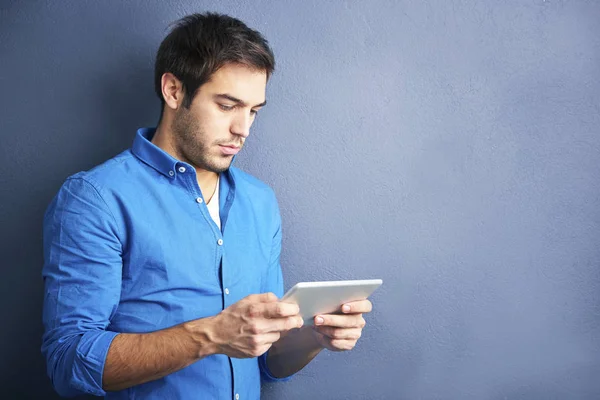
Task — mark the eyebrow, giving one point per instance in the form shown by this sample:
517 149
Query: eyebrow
242 103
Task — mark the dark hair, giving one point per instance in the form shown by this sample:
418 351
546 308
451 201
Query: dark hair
200 44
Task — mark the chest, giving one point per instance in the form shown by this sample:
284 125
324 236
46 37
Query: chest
179 265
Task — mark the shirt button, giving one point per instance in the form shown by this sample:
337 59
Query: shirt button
237 396
182 169
226 291
171 173
198 200
220 242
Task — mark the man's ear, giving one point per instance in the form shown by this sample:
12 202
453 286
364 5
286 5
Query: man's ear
172 90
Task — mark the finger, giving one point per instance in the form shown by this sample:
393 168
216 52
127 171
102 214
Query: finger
260 333
268 297
261 326
268 338
283 324
360 306
342 344
341 321
280 310
340 333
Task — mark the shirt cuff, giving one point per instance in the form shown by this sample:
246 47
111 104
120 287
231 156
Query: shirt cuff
90 358
266 374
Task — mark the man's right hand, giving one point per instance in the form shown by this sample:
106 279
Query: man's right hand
249 327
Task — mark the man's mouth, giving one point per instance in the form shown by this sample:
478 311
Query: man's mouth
229 149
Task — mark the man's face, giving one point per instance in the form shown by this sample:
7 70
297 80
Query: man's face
214 128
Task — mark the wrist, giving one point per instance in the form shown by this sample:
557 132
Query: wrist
203 335
317 338
293 351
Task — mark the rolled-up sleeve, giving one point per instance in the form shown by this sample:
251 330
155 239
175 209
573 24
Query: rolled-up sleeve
273 283
82 279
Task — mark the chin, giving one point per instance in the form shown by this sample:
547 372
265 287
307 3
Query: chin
220 167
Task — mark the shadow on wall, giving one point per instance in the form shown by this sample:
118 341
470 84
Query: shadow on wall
102 117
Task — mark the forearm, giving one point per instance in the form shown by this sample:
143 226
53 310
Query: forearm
134 359
293 352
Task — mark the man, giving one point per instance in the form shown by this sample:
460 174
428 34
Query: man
162 270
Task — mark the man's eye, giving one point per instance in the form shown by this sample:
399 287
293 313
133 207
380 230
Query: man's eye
253 112
225 107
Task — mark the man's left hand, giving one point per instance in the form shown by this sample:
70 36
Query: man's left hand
340 332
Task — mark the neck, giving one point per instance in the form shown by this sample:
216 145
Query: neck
165 139
207 184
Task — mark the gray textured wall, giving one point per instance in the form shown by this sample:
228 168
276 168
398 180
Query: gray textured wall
451 148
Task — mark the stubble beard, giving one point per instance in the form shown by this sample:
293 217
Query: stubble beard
192 144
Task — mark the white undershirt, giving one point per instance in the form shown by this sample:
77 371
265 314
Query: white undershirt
213 205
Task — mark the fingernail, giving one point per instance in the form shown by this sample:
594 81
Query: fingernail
346 308
319 320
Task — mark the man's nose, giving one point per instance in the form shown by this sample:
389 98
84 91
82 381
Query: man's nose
241 124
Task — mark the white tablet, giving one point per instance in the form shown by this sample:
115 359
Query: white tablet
315 298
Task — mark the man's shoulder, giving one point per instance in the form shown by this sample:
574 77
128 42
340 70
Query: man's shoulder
108 174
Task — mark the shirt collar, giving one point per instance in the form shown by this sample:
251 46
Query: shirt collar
151 154
157 158
163 162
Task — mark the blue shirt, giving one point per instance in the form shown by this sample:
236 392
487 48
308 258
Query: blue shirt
130 246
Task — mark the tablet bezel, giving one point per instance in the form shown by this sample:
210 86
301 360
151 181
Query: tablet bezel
326 297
